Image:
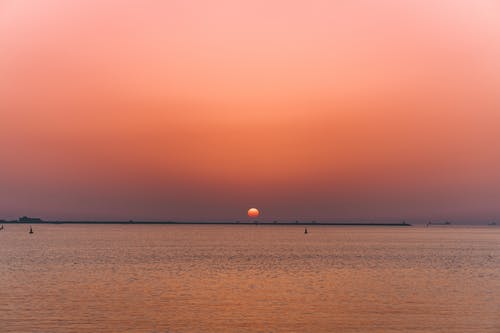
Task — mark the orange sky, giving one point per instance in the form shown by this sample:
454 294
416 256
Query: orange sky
202 109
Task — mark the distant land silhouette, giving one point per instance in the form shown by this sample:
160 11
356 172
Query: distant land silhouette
37 220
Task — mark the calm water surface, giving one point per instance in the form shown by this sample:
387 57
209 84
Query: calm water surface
133 278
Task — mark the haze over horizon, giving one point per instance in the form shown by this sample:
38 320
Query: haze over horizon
146 110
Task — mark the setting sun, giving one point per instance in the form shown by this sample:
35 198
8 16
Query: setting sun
253 212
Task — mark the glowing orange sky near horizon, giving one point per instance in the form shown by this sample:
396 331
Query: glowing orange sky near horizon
200 109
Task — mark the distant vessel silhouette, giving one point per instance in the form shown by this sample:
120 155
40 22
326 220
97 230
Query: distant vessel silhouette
31 230
30 219
438 223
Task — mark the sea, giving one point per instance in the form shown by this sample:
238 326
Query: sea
249 278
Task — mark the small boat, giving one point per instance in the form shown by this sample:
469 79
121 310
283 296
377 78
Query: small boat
305 230
31 230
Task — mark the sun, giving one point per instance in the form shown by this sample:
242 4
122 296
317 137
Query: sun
253 212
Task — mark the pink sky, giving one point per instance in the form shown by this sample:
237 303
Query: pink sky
201 109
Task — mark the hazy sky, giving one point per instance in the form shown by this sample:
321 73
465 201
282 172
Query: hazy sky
202 109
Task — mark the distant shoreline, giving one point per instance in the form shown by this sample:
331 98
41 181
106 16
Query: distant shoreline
402 224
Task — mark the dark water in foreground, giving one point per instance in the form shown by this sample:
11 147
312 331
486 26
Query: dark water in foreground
132 278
